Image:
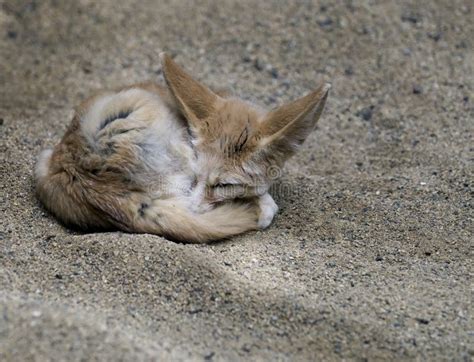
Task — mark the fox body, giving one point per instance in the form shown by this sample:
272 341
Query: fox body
179 161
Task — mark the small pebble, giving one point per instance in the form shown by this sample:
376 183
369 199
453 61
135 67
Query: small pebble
422 320
246 58
365 113
274 72
325 22
258 64
410 18
417 89
271 99
435 36
209 356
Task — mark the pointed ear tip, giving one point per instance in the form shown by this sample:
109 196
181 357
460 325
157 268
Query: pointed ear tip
326 87
163 57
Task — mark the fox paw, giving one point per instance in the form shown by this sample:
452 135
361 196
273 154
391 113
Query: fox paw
268 210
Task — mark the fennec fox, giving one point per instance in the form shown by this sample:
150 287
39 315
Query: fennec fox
182 162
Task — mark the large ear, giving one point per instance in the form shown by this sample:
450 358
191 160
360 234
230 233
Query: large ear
285 128
195 100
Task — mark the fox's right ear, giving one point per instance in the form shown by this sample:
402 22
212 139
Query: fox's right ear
285 128
195 100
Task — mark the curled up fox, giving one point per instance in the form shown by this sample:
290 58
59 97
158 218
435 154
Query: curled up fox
179 161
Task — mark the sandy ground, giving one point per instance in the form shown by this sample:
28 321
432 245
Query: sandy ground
371 255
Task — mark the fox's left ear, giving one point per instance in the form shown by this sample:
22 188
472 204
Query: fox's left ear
195 100
285 128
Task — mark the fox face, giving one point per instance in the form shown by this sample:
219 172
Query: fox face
238 143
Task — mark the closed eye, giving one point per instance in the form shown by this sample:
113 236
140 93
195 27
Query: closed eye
223 185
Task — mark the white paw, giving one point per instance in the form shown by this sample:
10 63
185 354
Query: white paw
268 209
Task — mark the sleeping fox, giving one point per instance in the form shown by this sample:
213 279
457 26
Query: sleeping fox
179 161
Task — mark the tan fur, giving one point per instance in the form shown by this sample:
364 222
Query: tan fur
184 161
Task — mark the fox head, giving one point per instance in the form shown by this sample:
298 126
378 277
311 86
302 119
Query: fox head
241 145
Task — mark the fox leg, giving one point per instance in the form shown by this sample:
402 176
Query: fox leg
268 210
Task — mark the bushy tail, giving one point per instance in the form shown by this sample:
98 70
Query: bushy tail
171 218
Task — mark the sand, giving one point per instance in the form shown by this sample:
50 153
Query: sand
371 254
